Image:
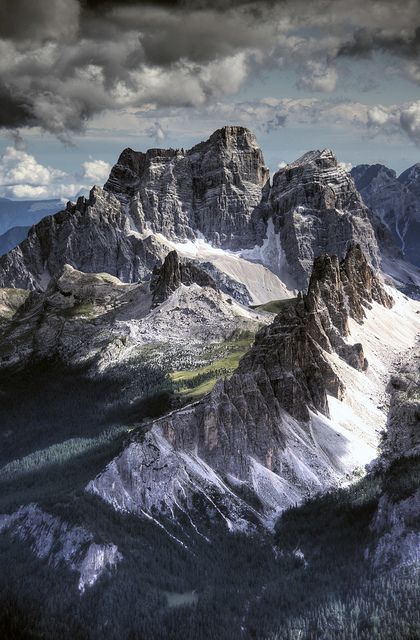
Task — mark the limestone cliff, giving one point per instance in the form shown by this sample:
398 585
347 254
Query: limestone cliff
316 209
255 429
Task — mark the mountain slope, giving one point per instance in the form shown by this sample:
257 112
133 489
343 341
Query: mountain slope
396 201
256 429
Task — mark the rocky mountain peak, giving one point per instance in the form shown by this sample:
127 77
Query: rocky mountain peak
323 159
291 350
411 179
317 210
213 189
174 272
232 136
363 174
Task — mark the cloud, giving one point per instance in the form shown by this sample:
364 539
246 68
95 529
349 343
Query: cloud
62 62
22 176
268 114
156 132
410 121
318 77
41 20
347 166
96 171
17 167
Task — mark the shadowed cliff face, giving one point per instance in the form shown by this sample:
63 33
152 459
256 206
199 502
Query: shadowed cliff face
256 425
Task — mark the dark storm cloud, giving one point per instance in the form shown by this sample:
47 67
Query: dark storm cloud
364 42
39 19
64 61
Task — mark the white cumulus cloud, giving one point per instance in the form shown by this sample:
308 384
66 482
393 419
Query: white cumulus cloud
96 171
22 176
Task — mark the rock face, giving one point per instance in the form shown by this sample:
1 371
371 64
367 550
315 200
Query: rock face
57 541
316 209
85 318
174 272
214 189
402 436
220 191
396 201
291 350
396 522
255 428
94 235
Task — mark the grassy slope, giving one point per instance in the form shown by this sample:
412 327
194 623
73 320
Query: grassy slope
192 384
274 306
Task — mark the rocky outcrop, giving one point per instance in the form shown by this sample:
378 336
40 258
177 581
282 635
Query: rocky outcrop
93 235
213 189
174 272
396 201
316 209
97 320
60 543
291 350
402 437
396 524
255 429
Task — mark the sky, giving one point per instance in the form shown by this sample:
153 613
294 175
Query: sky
82 79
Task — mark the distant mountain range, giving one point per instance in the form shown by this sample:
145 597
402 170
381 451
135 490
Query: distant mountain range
396 201
17 216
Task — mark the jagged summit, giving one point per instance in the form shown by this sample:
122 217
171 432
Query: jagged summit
316 209
174 272
255 429
212 189
324 158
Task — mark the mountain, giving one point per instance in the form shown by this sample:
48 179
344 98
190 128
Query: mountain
213 190
411 179
12 237
255 429
316 209
220 191
209 407
25 213
396 201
